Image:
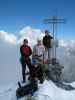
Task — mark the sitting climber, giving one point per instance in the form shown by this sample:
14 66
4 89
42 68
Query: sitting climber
37 72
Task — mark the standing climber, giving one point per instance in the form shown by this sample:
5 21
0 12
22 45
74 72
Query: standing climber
26 52
47 42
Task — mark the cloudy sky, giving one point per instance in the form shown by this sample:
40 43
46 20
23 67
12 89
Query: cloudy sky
24 18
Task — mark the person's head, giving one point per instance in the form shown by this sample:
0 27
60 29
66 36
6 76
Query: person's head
46 32
38 42
25 42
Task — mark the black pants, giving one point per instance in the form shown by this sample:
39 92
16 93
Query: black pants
24 63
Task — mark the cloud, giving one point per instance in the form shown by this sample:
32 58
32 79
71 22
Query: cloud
8 38
69 46
27 32
62 43
31 34
67 43
66 55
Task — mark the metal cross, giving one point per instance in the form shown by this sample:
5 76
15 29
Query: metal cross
54 21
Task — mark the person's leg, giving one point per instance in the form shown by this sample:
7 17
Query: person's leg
30 67
40 73
49 54
23 71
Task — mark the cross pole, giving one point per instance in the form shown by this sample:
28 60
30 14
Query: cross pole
54 21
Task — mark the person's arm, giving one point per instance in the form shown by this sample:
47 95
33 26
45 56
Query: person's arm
51 37
30 51
21 51
44 40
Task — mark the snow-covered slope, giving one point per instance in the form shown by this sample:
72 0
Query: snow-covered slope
50 91
47 91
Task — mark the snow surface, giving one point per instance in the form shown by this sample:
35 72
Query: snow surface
50 91
47 91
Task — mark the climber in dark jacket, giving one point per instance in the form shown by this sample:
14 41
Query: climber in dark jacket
47 42
47 39
26 52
